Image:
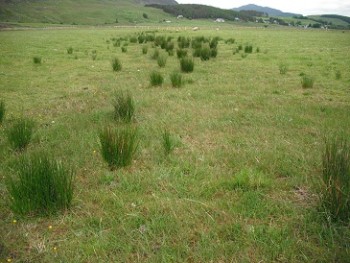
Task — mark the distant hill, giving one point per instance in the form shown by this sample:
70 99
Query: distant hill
86 12
193 11
267 10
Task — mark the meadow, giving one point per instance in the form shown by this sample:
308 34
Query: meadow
228 165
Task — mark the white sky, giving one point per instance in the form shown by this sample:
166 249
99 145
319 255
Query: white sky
305 7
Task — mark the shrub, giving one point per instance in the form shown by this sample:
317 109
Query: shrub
167 142
41 185
124 49
283 68
336 178
162 60
118 146
116 64
144 49
176 79
205 53
37 60
240 47
145 15
124 106
20 134
70 50
2 111
187 64
181 53
248 49
257 50
156 79
307 81
155 54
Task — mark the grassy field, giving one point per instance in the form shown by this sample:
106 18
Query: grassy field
242 183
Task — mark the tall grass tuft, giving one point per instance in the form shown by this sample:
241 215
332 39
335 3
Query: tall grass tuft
118 146
336 178
248 49
2 111
70 50
161 60
116 64
41 186
176 80
187 64
307 81
156 79
155 54
37 60
144 49
20 134
167 142
124 106
283 68
205 52
181 53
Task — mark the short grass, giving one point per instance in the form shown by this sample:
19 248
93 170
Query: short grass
242 184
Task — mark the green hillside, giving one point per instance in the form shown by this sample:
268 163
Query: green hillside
86 12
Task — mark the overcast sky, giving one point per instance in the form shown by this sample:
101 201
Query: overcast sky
305 7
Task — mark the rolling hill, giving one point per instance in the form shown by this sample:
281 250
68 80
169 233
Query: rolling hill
267 10
85 12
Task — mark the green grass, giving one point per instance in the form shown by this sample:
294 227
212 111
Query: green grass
336 178
161 60
283 68
156 78
116 64
187 64
70 50
118 146
20 133
144 49
176 79
307 81
40 186
2 111
37 60
243 184
124 106
167 142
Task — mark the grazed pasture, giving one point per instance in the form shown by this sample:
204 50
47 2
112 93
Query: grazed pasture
228 165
